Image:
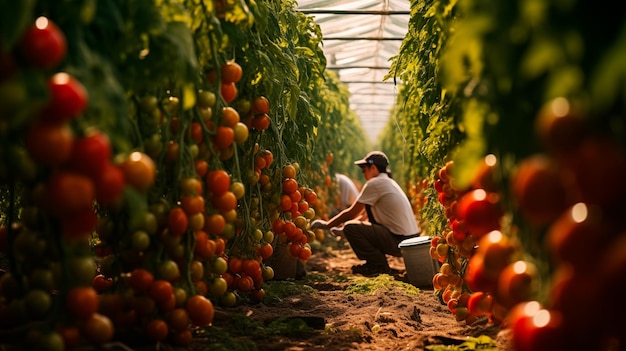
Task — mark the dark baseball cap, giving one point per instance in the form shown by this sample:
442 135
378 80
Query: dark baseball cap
377 158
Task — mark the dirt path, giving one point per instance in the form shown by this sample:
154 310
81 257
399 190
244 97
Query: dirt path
388 319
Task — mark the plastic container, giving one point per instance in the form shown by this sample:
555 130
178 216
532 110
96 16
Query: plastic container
420 267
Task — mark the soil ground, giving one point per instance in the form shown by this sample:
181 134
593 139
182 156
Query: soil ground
390 318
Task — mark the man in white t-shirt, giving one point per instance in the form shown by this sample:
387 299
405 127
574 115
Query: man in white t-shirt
391 217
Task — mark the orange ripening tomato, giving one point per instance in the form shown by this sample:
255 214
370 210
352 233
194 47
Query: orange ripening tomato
192 204
225 202
231 72
200 310
139 170
230 117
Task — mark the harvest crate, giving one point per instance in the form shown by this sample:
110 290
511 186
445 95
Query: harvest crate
420 267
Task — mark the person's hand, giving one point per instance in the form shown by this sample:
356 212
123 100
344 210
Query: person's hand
319 224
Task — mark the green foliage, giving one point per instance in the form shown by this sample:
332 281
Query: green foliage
482 342
369 286
425 115
228 336
279 289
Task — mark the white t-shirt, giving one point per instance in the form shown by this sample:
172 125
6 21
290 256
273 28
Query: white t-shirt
347 191
389 204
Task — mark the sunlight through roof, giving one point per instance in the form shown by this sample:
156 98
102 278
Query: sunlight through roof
359 38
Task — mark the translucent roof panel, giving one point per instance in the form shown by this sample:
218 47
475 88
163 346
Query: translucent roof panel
359 38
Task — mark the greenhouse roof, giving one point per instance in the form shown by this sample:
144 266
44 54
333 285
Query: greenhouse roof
359 38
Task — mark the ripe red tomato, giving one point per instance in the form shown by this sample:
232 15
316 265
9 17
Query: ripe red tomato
98 329
90 153
161 291
559 127
200 310
101 283
156 329
539 190
202 168
68 99
139 170
82 301
476 278
497 251
68 192
290 185
79 224
230 117
228 91
49 145
540 331
257 294
305 253
266 250
224 137
261 122
578 237
260 105
192 204
225 202
231 72
218 181
599 169
177 221
245 283
109 184
43 44
251 268
179 319
481 212
140 280
197 134
517 282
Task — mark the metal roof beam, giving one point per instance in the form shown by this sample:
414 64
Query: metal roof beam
353 12
363 38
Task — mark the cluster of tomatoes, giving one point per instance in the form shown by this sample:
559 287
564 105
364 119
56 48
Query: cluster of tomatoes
561 232
292 227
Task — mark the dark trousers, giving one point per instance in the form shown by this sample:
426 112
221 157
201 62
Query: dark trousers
371 242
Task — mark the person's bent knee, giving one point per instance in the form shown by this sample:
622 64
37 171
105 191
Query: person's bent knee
350 229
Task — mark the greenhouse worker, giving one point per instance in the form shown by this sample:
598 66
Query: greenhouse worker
390 215
347 193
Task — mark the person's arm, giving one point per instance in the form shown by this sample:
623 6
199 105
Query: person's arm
349 213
